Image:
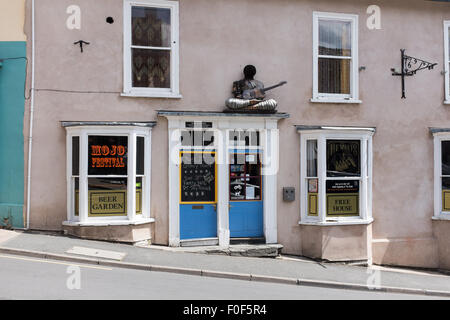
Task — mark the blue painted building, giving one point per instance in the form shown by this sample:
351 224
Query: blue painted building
13 66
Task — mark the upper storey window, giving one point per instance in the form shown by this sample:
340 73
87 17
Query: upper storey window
447 61
151 49
335 57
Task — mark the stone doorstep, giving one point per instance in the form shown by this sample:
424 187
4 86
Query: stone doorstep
243 250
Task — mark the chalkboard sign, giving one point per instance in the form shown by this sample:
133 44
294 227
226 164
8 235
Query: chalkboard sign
198 177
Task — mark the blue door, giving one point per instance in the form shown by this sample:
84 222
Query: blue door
246 195
198 221
198 204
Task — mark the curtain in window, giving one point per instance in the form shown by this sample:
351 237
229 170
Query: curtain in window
151 60
334 56
311 158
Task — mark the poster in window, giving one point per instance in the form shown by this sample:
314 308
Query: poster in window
342 197
313 185
312 204
108 155
343 158
445 194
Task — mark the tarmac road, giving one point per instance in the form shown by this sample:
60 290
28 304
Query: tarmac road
31 278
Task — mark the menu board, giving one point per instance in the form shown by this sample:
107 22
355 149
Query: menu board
198 177
343 197
108 155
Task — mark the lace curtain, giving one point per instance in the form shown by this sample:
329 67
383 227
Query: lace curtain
151 33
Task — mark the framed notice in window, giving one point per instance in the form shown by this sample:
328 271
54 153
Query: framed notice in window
342 198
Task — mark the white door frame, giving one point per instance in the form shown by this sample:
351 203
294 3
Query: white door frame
267 124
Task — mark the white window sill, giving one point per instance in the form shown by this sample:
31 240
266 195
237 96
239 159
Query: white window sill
108 223
335 100
329 222
151 95
446 101
441 217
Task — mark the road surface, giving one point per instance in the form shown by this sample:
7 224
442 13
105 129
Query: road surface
32 278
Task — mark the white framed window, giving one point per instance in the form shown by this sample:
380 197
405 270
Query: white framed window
151 49
335 175
335 58
441 173
108 173
447 61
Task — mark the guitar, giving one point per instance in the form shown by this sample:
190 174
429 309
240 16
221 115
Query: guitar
256 93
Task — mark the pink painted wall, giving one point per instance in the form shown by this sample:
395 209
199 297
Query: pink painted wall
218 38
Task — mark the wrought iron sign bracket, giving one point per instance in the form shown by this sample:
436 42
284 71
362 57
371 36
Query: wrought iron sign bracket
410 66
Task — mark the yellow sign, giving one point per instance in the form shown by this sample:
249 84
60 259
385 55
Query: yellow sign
312 204
138 201
100 201
445 200
107 202
344 204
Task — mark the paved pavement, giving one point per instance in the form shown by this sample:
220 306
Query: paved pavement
296 268
30 278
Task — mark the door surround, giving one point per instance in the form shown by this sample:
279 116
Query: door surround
223 122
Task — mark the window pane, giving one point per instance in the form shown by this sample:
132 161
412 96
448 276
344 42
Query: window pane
445 194
311 158
108 155
253 189
237 189
449 40
151 68
197 138
107 196
150 27
343 158
342 198
244 138
335 38
208 138
140 155
445 150
313 195
139 195
245 176
334 76
76 196
75 156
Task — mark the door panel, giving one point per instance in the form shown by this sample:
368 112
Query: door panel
198 221
246 203
198 198
246 219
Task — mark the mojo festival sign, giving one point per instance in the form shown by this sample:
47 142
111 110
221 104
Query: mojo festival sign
108 155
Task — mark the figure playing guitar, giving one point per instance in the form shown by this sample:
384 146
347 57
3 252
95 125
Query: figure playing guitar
249 94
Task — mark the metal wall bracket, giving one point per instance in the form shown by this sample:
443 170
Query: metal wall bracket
81 42
410 66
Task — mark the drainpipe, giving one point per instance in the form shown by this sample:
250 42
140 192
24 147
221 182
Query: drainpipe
30 137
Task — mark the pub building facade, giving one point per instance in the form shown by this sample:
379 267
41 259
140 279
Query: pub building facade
132 140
